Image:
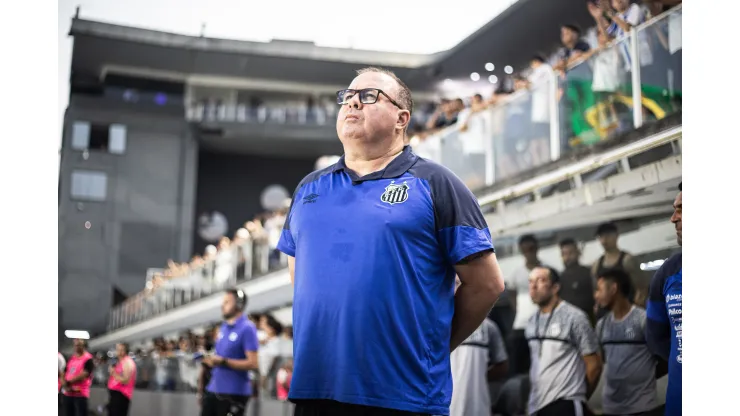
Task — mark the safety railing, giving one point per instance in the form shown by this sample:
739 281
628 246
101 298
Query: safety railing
238 262
617 87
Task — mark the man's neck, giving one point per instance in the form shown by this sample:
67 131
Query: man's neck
364 161
80 354
550 306
571 45
612 251
231 320
621 308
534 263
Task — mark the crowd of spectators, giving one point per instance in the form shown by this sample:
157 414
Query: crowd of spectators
251 252
599 55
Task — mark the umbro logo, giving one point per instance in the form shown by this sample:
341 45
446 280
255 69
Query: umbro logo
310 199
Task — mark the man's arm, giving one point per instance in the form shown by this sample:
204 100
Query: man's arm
499 360
481 285
88 369
291 269
593 372
584 337
249 363
125 376
657 327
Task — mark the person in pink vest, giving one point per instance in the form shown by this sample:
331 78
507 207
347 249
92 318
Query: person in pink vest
77 380
121 382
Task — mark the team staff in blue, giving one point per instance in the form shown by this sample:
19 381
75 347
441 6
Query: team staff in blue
665 313
229 389
375 241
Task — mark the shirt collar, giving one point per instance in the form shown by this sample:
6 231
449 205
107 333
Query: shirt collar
398 166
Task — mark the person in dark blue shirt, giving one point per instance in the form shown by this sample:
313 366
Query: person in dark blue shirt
665 314
229 388
374 243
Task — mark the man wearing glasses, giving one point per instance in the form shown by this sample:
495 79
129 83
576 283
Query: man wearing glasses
374 242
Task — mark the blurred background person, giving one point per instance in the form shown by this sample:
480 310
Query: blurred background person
121 383
576 286
630 378
77 380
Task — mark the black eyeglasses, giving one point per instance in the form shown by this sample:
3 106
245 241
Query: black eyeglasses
367 96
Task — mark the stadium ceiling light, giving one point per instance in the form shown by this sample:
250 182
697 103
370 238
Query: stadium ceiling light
475 76
508 69
493 79
72 334
489 67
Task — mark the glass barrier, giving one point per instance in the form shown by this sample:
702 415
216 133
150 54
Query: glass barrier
660 58
597 99
521 137
230 265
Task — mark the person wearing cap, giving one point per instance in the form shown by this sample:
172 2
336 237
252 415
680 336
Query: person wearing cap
374 243
229 388
664 328
564 351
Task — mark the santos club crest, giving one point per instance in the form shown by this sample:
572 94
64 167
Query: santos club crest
395 194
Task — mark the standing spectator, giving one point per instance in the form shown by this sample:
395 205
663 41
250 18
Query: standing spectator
270 351
121 383
565 362
376 315
607 80
77 380
576 285
629 387
615 258
518 288
229 389
540 82
284 377
573 47
479 359
665 315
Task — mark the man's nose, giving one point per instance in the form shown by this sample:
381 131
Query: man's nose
355 102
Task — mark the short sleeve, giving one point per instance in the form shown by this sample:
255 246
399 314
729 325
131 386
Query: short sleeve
599 330
249 339
582 46
496 348
656 310
461 228
583 336
89 366
634 15
286 244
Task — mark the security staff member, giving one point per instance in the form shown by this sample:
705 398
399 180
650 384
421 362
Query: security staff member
565 363
121 382
665 315
229 388
374 243
77 380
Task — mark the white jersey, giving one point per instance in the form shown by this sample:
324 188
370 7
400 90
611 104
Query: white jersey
469 364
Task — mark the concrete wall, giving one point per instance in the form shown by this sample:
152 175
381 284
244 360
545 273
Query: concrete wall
146 218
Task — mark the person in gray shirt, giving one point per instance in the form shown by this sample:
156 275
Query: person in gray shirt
564 351
630 385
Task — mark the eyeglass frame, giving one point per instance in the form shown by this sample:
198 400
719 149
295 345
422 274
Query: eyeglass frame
376 98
